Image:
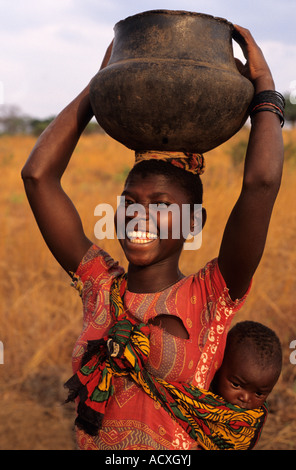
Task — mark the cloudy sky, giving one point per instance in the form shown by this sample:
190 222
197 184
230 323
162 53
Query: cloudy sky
51 48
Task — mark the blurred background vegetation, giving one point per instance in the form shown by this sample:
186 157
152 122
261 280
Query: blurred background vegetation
14 122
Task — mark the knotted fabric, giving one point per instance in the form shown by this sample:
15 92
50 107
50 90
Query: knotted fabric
192 162
206 417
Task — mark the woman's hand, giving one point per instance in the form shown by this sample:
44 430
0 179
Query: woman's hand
107 56
256 68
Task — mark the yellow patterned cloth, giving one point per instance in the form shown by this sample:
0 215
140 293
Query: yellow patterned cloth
192 162
206 417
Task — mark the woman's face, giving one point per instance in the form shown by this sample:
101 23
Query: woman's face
150 219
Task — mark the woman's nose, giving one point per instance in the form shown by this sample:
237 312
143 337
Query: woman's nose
137 214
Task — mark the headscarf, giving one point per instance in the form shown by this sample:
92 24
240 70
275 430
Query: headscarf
192 162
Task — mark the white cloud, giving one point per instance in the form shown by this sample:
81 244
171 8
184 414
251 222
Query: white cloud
18 15
44 67
281 59
53 47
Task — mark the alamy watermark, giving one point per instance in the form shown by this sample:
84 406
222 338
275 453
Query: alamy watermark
1 353
293 92
1 92
293 353
134 221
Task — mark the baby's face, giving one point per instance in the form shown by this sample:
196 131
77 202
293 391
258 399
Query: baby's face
242 382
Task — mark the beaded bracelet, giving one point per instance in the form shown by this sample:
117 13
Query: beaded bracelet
268 100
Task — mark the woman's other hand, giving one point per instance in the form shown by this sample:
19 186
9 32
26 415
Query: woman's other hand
256 68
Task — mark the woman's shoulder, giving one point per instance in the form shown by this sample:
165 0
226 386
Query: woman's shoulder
96 256
211 281
95 264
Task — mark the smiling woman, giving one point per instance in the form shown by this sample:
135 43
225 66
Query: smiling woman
153 338
159 214
142 229
163 191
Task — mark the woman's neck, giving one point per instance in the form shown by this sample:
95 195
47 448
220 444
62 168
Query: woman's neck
152 278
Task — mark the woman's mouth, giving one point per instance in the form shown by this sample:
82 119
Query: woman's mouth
141 237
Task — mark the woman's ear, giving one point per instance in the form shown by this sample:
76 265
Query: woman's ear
198 220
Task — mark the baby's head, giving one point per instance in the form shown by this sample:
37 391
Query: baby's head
251 365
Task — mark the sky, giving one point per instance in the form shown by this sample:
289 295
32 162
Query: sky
50 49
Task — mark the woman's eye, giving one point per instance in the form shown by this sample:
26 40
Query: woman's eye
128 202
125 201
259 394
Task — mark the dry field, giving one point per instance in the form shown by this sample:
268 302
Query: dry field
40 314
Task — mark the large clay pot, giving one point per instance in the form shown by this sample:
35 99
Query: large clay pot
171 83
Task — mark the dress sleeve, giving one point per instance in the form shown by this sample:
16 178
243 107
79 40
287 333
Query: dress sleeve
96 264
213 320
217 292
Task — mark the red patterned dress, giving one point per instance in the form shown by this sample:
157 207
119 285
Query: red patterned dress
132 419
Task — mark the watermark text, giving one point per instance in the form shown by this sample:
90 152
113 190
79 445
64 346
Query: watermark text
293 353
161 221
1 353
1 92
293 92
158 459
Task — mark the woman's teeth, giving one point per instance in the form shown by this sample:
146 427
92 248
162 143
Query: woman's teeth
141 237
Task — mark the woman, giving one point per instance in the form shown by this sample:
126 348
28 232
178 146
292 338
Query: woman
187 317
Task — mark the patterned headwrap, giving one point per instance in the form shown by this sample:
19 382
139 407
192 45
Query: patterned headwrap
206 417
193 162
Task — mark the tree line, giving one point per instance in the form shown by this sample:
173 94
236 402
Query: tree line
14 122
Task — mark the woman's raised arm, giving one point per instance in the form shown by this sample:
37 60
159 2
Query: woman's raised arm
246 230
54 212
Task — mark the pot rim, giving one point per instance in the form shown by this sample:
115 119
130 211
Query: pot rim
176 13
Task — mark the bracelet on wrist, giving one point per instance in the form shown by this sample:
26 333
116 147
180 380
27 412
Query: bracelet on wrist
268 100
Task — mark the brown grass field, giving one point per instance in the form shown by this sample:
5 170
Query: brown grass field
40 315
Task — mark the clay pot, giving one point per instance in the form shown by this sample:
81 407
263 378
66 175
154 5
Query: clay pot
171 83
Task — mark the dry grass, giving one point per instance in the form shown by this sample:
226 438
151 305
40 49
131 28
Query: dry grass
40 315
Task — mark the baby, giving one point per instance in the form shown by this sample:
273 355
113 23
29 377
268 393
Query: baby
251 365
